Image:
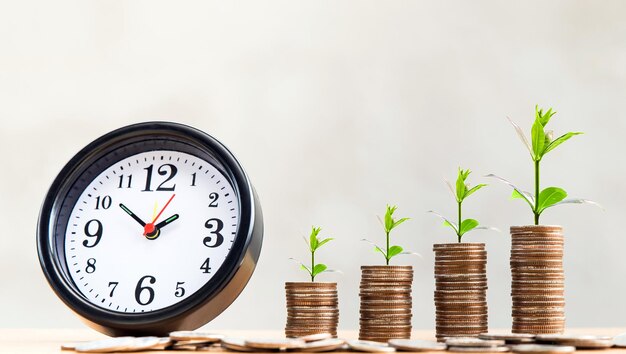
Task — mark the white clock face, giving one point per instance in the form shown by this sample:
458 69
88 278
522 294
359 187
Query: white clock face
150 231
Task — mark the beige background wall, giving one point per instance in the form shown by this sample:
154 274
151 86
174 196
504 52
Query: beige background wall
335 108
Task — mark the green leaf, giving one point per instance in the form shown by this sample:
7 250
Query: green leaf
467 225
517 195
313 241
539 139
303 267
520 193
378 249
319 268
461 188
560 140
389 217
447 222
394 251
550 196
474 189
396 223
324 241
543 118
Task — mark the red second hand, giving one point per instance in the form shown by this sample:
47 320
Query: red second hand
149 228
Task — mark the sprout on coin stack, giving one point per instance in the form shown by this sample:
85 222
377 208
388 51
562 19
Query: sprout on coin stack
460 273
537 250
385 291
312 307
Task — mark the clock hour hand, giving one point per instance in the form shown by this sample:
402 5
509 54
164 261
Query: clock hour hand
166 221
132 215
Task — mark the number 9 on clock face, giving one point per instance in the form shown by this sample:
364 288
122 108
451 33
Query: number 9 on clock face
158 225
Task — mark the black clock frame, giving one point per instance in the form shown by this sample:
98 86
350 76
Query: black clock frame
206 303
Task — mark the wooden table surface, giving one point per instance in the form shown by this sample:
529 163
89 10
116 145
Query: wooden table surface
43 341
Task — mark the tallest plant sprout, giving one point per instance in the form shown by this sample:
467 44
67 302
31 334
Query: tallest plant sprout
542 143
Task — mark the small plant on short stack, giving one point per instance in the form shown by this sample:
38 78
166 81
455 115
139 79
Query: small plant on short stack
542 143
314 243
462 191
389 224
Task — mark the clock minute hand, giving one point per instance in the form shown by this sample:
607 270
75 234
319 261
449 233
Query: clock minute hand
132 215
166 221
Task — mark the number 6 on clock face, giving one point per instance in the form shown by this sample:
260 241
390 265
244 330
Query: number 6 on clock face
157 224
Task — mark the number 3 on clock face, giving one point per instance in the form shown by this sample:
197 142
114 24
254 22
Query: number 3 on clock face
150 230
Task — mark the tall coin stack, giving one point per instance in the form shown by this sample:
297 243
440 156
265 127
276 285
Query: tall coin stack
312 307
538 280
460 289
386 303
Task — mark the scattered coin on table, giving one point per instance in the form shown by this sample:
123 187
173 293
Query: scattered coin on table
196 336
416 345
370 346
509 338
275 343
542 349
164 342
316 337
105 345
473 342
620 340
236 344
324 345
70 345
143 343
578 341
479 349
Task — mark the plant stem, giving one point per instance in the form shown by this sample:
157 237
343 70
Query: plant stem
387 254
458 233
312 266
536 211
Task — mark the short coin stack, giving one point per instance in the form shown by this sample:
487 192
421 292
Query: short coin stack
460 289
538 280
386 303
312 307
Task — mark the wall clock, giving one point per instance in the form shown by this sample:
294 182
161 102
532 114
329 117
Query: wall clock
151 228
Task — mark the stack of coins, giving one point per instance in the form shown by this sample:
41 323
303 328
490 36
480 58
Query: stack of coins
460 289
538 280
312 307
386 304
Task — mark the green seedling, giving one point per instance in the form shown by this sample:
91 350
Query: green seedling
314 243
462 191
389 224
542 142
